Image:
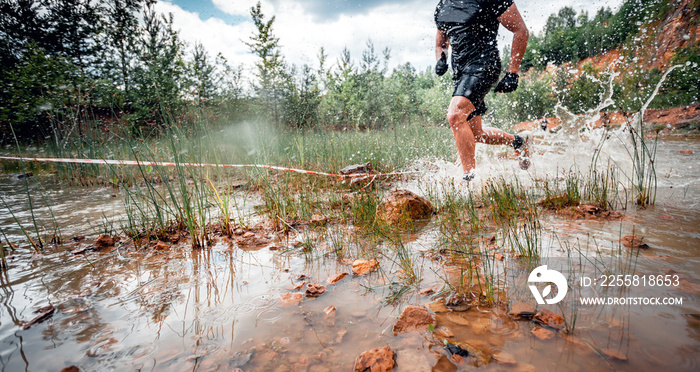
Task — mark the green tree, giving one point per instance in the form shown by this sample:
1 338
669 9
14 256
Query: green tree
271 76
158 77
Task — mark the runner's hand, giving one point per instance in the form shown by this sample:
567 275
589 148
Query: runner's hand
441 66
508 84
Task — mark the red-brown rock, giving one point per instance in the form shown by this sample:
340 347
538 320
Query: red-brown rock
290 299
363 267
104 241
543 334
632 241
403 206
549 319
615 354
315 290
336 278
376 360
414 318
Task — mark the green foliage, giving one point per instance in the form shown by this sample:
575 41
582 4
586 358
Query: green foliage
533 99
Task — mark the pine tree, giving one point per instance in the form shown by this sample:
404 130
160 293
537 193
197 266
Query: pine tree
271 74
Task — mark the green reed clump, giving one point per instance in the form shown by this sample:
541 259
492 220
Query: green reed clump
525 237
505 200
600 188
558 196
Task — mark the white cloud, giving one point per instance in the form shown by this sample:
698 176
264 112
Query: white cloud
215 35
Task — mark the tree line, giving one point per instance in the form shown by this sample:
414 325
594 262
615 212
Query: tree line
70 66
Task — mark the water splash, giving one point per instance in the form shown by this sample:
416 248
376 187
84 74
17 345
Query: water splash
579 145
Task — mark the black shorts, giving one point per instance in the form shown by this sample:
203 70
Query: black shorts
474 82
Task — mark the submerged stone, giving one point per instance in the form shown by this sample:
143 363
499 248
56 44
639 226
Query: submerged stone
521 310
543 334
414 318
380 359
289 299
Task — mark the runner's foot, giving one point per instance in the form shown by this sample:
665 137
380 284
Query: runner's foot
469 176
521 144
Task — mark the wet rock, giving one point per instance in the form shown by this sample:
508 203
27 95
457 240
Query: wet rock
458 303
314 290
340 335
161 246
543 334
299 286
329 311
549 319
505 358
44 313
104 242
412 360
318 220
376 360
363 267
478 356
632 241
444 365
289 299
437 306
457 318
426 292
402 206
414 318
615 354
444 332
336 278
357 168
71 369
521 310
255 237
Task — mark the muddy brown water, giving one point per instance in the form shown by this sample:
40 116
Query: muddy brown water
220 308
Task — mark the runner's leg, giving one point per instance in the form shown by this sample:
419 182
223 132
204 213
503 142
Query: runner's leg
457 114
489 136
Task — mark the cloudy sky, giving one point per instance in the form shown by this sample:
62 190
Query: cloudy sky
304 26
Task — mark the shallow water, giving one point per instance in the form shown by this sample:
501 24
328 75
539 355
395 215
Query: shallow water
220 308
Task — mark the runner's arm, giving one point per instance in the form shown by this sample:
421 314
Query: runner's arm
441 44
513 22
